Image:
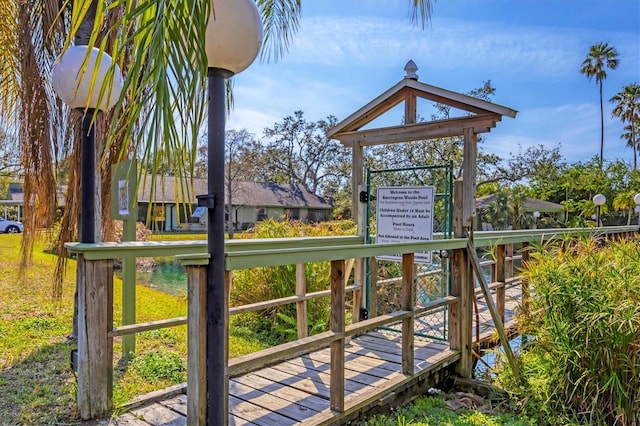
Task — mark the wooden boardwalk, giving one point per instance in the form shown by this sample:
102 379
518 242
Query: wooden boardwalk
297 390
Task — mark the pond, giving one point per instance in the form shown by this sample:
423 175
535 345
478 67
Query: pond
167 276
483 368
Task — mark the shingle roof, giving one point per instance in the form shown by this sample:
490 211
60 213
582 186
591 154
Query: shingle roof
253 194
529 204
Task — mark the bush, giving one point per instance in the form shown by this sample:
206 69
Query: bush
259 284
584 361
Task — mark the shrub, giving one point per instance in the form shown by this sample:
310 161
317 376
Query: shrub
259 284
584 361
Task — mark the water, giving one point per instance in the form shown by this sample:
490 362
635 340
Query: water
489 356
166 276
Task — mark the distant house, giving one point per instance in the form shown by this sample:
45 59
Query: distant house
529 205
12 205
252 202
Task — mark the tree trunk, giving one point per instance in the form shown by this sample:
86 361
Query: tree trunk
601 128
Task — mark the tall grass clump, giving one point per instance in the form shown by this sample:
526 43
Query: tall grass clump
584 362
278 324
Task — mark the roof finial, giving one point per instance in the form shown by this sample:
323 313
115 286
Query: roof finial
410 70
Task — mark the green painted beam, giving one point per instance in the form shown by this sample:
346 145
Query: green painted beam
113 250
242 254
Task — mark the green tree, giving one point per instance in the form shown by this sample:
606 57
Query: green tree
627 108
601 57
300 152
148 39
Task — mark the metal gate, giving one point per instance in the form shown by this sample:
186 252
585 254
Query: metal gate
433 280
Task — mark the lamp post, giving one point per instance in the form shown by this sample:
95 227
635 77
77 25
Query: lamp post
233 40
536 215
598 200
636 199
73 84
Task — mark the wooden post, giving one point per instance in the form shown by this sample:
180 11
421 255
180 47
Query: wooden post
337 325
460 313
526 294
373 279
129 288
95 346
469 164
301 305
407 304
510 254
359 278
475 263
500 269
197 345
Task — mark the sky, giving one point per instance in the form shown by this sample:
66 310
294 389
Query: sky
347 52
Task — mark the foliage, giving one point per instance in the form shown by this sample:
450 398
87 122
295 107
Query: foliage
259 284
36 383
159 365
584 361
433 411
627 108
298 152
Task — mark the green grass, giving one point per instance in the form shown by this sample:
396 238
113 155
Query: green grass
36 382
433 411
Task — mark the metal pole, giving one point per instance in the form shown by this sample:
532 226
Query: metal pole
88 180
598 216
216 302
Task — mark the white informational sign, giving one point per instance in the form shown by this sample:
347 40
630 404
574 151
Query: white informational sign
405 214
123 197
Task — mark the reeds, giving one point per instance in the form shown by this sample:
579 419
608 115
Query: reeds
584 360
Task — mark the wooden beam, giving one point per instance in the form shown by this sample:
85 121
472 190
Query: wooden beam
500 277
197 339
460 314
407 304
458 100
495 316
337 325
419 131
372 110
469 165
301 304
95 347
410 107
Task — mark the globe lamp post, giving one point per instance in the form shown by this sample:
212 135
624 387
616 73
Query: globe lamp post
233 40
536 215
80 88
598 200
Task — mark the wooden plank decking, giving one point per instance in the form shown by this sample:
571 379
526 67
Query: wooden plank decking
297 390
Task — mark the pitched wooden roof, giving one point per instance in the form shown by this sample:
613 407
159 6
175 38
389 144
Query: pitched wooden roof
483 115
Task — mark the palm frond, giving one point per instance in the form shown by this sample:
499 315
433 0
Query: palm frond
420 11
281 21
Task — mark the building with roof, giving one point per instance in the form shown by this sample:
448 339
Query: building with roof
174 207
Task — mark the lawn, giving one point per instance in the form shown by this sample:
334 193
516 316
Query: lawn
38 386
36 382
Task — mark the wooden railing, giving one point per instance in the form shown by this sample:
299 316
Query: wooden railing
95 286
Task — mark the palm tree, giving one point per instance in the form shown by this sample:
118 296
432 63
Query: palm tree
148 39
627 108
632 136
600 57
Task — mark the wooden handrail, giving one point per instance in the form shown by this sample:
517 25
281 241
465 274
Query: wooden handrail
95 268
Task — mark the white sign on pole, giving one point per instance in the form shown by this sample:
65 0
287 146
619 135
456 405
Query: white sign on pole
405 214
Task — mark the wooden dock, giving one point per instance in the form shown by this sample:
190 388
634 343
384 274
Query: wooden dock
297 391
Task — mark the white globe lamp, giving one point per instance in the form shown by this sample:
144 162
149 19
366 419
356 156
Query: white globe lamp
78 76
